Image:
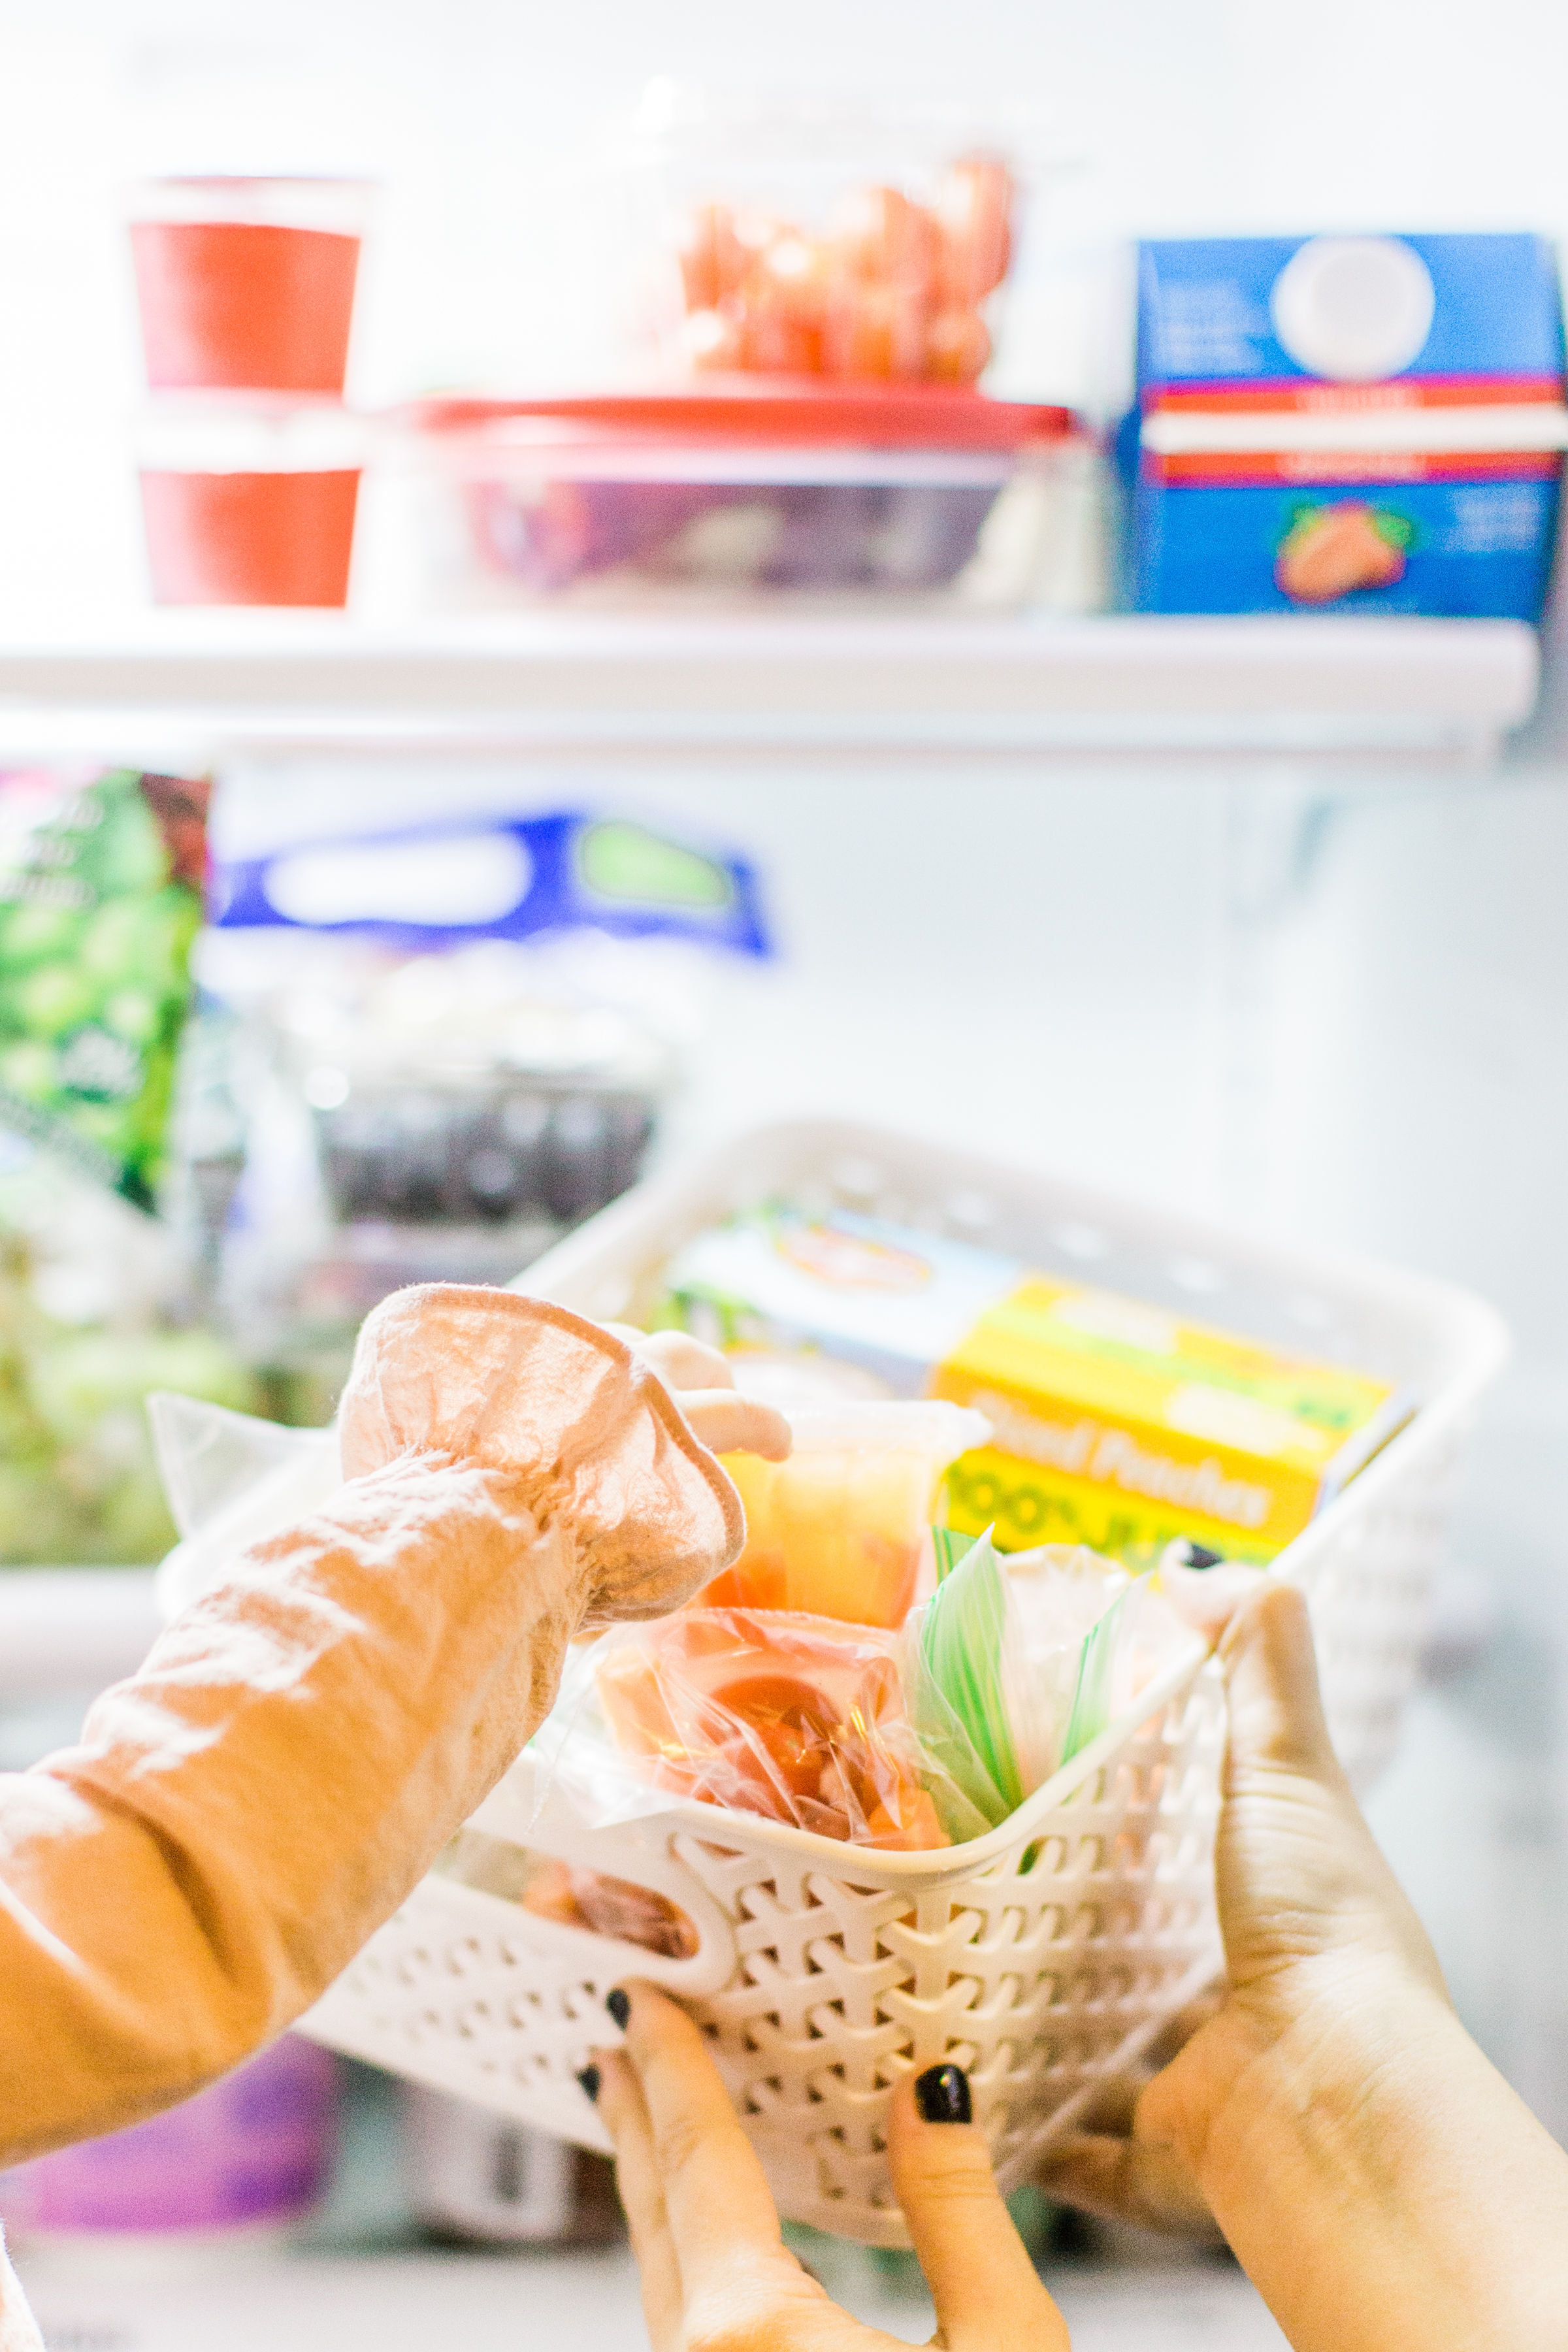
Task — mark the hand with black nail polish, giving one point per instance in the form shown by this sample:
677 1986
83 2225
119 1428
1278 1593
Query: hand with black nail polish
706 2234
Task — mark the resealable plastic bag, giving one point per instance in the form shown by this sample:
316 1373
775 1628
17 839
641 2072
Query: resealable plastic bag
800 1719
1009 1672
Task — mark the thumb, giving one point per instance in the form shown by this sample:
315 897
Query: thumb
1298 1872
1276 1707
985 2289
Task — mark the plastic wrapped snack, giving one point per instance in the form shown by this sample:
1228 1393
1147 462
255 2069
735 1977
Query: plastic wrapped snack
797 1718
610 1906
972 1701
1009 1673
884 285
1092 1636
570 1894
838 1529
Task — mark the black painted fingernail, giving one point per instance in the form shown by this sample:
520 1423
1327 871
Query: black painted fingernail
620 2006
589 2078
1185 1553
942 2094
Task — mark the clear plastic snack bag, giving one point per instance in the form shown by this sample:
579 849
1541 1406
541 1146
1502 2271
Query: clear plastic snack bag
800 1719
1093 1637
570 1894
971 1697
838 1530
1010 1671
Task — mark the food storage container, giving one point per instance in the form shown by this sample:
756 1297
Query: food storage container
247 284
827 238
745 491
247 503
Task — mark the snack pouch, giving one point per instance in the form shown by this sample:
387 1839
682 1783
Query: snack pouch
838 1529
971 1697
797 1718
569 1894
1010 1671
1093 1637
101 877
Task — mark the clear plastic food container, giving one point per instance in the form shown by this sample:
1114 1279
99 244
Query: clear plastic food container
831 237
747 490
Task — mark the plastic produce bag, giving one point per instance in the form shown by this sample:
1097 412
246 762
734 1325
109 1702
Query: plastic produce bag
797 1718
83 1336
232 1480
838 1529
100 897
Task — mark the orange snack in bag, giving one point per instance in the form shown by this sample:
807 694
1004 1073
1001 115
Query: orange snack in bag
885 236
782 1715
712 259
610 1906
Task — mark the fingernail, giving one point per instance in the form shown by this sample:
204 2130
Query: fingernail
620 2006
589 2078
942 2094
1183 1552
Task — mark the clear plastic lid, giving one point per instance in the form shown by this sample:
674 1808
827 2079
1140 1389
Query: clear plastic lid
340 207
934 1428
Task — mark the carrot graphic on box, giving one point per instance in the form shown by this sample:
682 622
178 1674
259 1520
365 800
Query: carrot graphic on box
1330 551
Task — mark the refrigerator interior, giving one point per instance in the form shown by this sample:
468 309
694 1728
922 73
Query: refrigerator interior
1324 1001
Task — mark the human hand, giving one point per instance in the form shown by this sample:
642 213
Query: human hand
716 2275
1319 1938
702 1385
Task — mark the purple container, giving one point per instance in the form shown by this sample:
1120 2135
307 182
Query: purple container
255 2149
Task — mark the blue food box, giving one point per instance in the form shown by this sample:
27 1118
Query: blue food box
1346 423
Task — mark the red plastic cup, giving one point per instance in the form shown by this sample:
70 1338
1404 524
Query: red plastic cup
245 508
248 285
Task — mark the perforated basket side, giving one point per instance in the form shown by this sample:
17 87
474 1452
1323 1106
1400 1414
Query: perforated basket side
1042 1960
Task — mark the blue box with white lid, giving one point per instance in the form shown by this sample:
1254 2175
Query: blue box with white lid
1346 423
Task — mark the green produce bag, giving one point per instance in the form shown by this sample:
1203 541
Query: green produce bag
100 897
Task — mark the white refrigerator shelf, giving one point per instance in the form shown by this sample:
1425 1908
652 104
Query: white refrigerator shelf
1387 689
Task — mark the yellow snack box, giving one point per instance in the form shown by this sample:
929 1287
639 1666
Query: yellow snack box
1115 1423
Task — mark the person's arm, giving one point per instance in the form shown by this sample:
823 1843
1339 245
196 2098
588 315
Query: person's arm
1378 2180
243 1813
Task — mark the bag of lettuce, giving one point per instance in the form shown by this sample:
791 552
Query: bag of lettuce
102 875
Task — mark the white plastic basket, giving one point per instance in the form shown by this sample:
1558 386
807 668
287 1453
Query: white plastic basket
1043 1958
